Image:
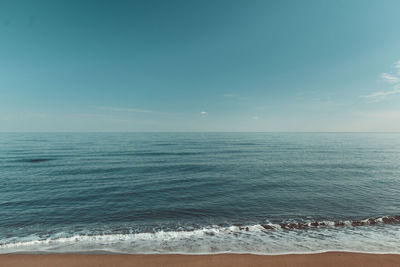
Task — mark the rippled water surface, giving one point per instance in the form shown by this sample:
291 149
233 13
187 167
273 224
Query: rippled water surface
199 192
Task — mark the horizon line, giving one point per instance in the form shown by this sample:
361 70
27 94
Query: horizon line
4 132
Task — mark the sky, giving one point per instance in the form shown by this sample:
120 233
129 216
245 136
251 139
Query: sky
200 65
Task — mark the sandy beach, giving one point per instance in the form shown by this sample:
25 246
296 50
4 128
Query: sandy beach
221 260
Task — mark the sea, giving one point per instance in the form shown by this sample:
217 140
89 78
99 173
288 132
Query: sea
199 193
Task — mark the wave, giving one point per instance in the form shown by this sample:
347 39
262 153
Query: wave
314 224
378 235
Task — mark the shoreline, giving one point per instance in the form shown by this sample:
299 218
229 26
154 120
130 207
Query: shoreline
221 260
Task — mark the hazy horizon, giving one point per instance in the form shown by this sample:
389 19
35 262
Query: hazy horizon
289 132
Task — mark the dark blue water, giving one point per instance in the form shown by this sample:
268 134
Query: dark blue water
199 192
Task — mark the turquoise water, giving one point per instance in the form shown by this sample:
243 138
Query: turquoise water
266 193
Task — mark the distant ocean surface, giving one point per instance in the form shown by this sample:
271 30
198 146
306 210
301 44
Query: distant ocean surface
264 193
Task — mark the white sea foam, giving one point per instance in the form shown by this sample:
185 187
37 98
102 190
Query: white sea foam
235 239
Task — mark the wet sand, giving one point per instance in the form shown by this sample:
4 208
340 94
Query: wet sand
221 260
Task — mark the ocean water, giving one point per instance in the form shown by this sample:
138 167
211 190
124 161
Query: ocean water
264 193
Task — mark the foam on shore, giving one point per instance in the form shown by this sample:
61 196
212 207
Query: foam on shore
378 235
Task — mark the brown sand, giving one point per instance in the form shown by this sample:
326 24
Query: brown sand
220 260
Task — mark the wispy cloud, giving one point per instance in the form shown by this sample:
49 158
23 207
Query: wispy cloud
136 110
397 67
390 78
23 115
102 117
382 94
393 80
203 112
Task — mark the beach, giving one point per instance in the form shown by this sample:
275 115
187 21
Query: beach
199 133
328 259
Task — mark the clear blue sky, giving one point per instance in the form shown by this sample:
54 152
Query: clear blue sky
200 65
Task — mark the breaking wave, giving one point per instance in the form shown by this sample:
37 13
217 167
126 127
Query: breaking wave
378 235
